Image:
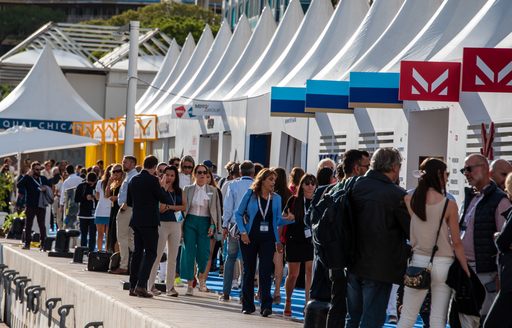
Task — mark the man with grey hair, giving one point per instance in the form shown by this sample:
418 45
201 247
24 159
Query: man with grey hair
500 168
235 192
382 229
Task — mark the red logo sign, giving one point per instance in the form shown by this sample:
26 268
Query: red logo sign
180 111
487 70
429 81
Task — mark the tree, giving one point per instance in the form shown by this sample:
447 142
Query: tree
18 22
174 19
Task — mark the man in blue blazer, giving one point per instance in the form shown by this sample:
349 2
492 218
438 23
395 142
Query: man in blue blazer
144 194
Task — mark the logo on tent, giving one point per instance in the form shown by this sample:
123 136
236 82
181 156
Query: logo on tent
429 81
487 70
180 110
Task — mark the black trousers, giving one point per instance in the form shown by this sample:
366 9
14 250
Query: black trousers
264 250
320 282
88 234
338 311
32 212
143 256
499 315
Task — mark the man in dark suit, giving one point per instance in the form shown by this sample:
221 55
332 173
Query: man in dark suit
144 193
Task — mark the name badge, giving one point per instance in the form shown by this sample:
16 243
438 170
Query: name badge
307 233
264 227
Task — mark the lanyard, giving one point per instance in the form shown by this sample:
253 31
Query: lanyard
264 214
173 198
37 183
305 209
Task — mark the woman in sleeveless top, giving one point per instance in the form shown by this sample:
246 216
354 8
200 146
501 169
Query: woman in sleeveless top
426 207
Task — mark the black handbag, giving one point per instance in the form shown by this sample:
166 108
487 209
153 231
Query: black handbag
98 261
417 277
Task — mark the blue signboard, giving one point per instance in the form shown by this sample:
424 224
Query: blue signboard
327 96
288 102
374 89
60 126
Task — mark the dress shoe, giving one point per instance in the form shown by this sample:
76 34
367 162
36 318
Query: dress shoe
132 292
266 312
142 292
26 247
247 312
119 271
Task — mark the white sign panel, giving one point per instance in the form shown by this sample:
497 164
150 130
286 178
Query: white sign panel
183 112
207 108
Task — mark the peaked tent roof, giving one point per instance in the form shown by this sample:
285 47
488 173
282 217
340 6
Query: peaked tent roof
234 50
408 22
317 16
379 16
45 94
453 17
487 29
186 53
166 67
195 62
286 30
263 32
343 24
22 140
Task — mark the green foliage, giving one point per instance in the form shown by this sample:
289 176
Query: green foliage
9 219
174 19
5 89
6 187
18 22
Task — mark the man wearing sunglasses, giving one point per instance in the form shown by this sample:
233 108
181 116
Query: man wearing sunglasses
481 217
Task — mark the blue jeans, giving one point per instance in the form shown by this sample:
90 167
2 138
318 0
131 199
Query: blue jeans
229 264
367 301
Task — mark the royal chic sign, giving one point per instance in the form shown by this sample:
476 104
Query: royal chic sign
60 126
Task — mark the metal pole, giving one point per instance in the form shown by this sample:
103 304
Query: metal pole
131 97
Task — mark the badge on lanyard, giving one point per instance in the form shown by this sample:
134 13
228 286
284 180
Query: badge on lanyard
307 233
264 226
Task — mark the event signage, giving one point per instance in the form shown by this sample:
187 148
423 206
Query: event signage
207 108
288 102
374 89
429 81
487 70
60 126
327 96
183 111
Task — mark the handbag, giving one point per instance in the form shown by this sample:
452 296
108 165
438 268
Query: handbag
417 277
233 230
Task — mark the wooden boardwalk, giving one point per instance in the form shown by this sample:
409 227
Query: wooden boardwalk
99 297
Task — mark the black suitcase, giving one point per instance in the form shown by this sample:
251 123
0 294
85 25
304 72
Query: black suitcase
98 261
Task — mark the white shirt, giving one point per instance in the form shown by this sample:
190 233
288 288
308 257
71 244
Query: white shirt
199 204
104 205
185 180
71 182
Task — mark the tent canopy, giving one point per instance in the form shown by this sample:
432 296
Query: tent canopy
22 140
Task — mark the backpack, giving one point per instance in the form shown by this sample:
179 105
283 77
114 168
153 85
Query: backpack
333 229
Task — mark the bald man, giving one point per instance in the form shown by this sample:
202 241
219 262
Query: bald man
482 216
500 168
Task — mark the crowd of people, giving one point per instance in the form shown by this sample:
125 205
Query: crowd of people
256 221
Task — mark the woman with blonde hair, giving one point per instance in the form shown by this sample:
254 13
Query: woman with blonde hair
111 192
103 207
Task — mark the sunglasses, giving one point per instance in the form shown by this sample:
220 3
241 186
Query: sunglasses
188 167
469 168
117 171
201 172
309 183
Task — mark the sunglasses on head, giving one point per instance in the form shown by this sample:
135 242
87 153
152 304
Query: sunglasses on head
469 168
201 172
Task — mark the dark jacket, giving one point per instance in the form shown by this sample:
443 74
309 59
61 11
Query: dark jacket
484 226
382 228
504 243
86 207
31 189
144 196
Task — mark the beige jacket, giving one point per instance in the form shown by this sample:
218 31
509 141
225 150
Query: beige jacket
213 204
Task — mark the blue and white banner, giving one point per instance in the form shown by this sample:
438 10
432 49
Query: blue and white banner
327 96
60 126
288 102
374 89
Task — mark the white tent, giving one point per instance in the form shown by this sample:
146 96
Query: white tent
195 62
162 86
378 18
263 32
21 140
317 16
170 59
285 31
344 22
46 95
64 58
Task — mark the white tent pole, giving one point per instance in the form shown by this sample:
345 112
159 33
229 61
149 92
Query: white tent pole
131 98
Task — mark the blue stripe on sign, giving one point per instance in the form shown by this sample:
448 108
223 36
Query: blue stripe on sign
326 101
287 93
323 87
374 95
374 80
287 106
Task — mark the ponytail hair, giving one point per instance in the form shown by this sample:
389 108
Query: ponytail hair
431 176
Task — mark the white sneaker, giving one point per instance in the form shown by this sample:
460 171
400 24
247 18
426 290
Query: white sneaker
190 291
172 293
234 284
